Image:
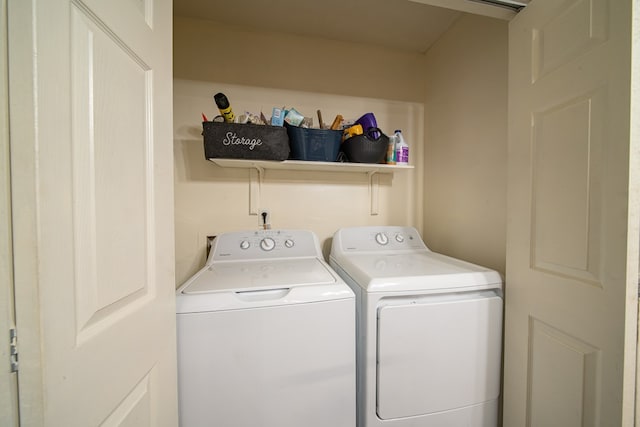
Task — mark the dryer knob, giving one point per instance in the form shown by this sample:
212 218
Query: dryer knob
399 238
244 245
382 239
267 244
288 243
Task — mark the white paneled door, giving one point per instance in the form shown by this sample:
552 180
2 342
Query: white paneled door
91 160
572 245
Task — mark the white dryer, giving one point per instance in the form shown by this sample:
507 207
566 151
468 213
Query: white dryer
266 336
429 331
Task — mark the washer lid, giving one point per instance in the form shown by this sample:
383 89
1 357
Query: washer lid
414 271
240 276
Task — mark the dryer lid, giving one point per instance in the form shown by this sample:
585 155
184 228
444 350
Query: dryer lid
414 271
240 276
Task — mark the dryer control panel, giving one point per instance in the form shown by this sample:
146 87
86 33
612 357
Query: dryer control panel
382 238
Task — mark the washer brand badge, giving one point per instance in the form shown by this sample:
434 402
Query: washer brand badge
232 138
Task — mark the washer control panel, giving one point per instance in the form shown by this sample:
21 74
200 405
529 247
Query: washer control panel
265 244
383 238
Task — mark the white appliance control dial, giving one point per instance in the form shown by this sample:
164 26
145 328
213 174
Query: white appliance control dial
244 245
399 238
289 243
267 244
382 239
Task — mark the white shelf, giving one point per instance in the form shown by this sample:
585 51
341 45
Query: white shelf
300 165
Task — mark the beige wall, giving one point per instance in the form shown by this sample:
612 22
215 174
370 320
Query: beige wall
208 51
466 142
254 75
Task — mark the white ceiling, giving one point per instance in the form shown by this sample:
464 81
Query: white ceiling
397 24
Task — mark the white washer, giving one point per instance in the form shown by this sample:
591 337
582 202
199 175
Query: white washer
266 336
429 331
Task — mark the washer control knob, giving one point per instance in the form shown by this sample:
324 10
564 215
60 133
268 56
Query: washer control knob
289 243
244 245
382 239
399 238
267 244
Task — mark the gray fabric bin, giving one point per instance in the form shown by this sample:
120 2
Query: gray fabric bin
244 141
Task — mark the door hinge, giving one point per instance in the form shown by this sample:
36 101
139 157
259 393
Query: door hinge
13 349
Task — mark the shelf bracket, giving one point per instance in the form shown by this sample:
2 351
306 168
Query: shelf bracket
374 186
256 176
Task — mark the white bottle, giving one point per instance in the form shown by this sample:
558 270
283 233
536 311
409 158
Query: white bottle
402 149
